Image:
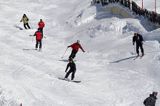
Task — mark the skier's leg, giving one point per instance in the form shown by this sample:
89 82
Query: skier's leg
36 44
73 74
41 29
137 49
74 54
67 74
25 26
40 44
28 26
71 55
142 51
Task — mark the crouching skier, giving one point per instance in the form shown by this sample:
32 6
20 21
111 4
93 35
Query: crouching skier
39 36
72 69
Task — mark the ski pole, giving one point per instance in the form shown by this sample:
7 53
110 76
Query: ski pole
32 37
64 53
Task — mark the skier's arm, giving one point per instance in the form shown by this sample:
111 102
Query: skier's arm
81 48
70 45
34 34
133 40
21 20
27 18
144 102
142 38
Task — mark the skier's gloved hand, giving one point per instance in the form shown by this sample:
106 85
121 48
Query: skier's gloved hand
65 70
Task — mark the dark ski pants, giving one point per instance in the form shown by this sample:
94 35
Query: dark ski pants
69 72
41 30
141 47
26 25
73 54
39 43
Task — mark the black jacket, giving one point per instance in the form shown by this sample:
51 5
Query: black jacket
138 39
150 101
72 66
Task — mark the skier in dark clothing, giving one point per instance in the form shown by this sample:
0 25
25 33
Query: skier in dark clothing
25 20
38 35
151 100
139 43
75 47
72 69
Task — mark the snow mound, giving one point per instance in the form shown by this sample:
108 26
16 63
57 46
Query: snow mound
153 35
7 98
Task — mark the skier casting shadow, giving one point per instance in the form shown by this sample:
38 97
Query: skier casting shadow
25 21
139 43
72 69
39 36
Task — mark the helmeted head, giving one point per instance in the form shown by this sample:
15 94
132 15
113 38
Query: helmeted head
135 34
24 15
38 29
41 20
78 41
154 93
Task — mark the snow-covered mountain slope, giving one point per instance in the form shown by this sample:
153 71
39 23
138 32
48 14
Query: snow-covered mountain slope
109 75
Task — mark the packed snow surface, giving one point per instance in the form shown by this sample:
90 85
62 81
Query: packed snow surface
108 73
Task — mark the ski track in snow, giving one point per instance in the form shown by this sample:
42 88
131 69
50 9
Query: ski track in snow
109 75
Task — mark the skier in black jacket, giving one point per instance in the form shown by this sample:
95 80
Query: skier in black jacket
139 43
151 100
72 69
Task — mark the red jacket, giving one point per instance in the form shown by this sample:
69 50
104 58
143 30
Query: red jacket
41 24
76 46
38 35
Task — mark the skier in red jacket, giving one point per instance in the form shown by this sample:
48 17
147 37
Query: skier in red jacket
75 47
38 35
41 25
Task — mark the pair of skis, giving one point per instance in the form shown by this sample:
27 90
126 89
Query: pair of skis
68 80
140 57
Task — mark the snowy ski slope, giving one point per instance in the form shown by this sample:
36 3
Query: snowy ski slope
110 76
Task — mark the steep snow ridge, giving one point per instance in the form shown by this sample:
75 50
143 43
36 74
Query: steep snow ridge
133 25
114 27
83 13
153 35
